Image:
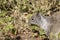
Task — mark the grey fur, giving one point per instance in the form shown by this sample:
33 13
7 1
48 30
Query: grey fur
47 23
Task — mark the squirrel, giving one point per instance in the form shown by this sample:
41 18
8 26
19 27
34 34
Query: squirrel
50 24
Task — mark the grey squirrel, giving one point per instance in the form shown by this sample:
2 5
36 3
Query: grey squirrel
50 24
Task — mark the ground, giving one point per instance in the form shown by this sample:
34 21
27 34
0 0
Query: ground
14 16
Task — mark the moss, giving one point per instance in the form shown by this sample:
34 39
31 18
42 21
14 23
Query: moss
8 27
40 31
58 35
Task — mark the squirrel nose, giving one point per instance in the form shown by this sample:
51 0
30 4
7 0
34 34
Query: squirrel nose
29 23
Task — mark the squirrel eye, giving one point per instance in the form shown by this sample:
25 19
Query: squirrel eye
32 19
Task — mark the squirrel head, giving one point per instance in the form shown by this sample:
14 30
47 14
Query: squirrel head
35 19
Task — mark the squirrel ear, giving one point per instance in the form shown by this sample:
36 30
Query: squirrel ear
38 14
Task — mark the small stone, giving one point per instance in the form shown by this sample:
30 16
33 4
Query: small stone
18 38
